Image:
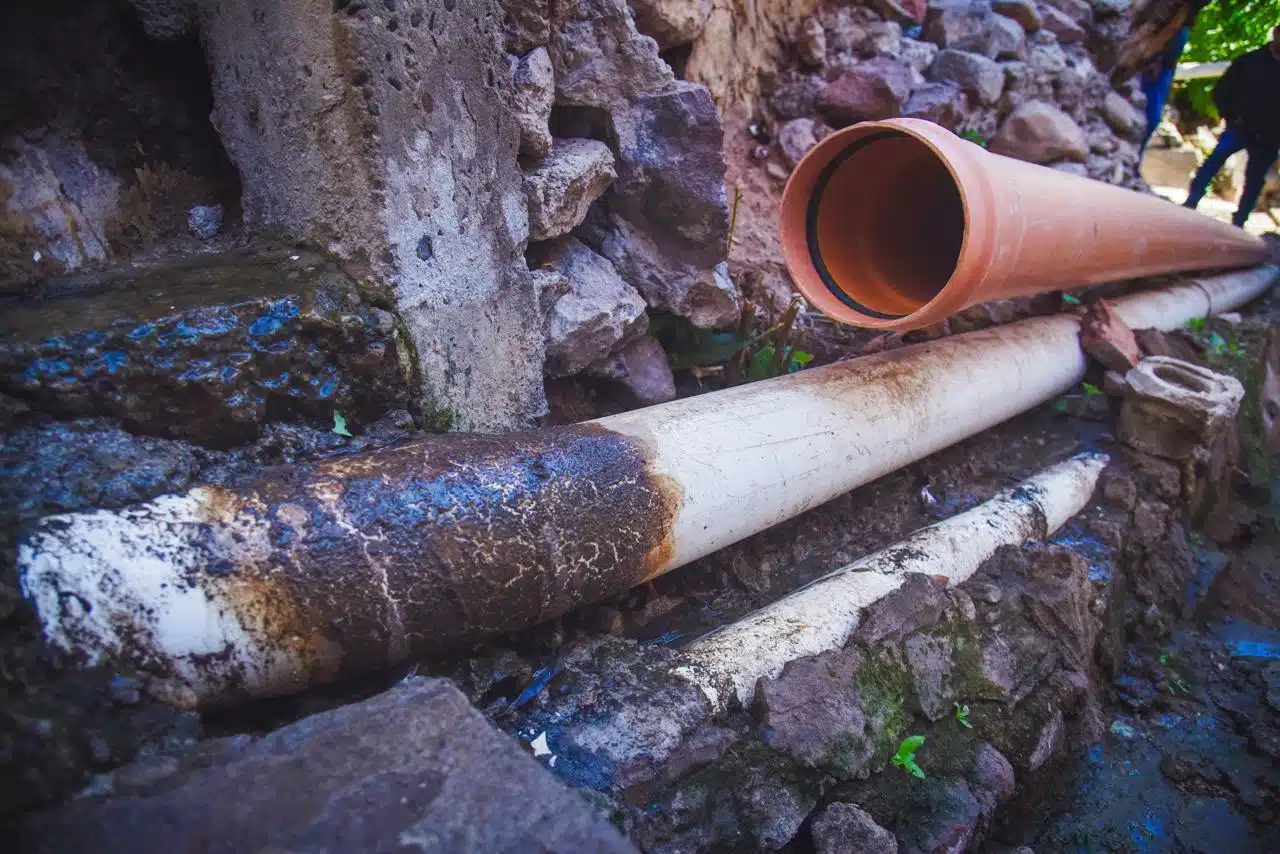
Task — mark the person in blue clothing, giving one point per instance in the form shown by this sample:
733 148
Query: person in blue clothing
1157 80
1248 99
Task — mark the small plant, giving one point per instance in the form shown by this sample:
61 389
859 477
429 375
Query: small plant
974 137
1071 299
906 755
1090 390
340 425
768 362
1196 324
962 716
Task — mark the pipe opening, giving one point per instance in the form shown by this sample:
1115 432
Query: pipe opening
1183 379
886 224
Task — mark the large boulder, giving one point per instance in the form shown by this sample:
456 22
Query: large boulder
415 767
600 59
668 224
871 90
599 312
1040 133
394 148
671 22
972 72
561 186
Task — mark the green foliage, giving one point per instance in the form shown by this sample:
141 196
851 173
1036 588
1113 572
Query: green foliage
1070 299
1090 390
767 362
1223 31
340 424
974 137
962 716
905 756
1196 324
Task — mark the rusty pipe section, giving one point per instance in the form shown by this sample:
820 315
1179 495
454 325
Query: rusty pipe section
899 224
328 569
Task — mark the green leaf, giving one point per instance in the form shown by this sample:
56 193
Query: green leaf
962 716
1069 299
974 137
761 367
1060 406
1090 389
799 358
1217 344
905 757
1196 323
340 425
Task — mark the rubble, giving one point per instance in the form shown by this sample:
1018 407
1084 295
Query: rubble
1041 133
876 89
1105 337
562 186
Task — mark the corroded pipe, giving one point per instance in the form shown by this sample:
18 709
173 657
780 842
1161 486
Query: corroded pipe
328 569
899 224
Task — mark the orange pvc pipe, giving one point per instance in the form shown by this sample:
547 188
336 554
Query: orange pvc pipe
899 224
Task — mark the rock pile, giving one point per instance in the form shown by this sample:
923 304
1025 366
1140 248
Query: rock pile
1019 76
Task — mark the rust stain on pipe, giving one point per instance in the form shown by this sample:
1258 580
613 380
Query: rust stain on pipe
349 564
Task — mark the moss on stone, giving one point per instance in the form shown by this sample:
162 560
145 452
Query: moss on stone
882 685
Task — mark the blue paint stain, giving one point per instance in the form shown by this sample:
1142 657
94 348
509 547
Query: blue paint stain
541 680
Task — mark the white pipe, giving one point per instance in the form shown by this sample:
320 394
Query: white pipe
325 570
1198 70
753 456
824 614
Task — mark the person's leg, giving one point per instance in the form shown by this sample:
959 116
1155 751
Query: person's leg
1229 143
1157 92
1255 176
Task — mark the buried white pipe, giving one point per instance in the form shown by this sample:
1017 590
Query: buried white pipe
324 570
751 457
824 614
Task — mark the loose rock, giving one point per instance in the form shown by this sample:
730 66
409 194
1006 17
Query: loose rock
599 312
941 103
959 25
811 43
799 98
972 72
600 59
525 24
847 829
872 90
917 55
561 187
671 22
1040 133
1022 11
643 368
795 138
1066 30
1008 41
1123 117
1107 338
535 92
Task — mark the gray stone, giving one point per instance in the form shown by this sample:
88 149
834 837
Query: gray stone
1080 170
1111 7
884 38
643 368
1040 133
810 44
1080 11
917 55
929 659
535 92
872 90
1123 117
525 24
668 215
407 169
205 350
1050 741
770 811
847 829
561 186
600 59
1008 40
416 766
1062 26
948 817
941 103
671 22
205 221
972 72
599 312
1047 58
797 99
814 713
1022 11
991 779
795 138
166 20
960 25
917 604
